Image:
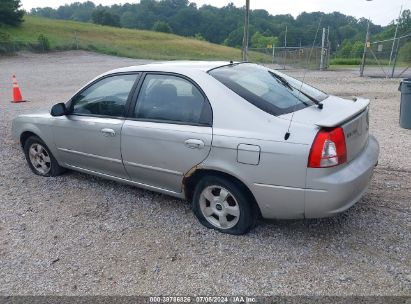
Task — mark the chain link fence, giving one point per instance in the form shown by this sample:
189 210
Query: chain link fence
41 46
389 58
10 47
293 57
386 58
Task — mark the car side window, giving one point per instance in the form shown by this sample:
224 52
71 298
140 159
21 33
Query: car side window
171 98
107 97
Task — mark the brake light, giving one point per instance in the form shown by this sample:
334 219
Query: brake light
329 149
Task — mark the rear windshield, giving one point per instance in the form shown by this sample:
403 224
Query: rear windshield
268 90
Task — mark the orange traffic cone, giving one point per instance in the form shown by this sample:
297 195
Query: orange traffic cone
16 92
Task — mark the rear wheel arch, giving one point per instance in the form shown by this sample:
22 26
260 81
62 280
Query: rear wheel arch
191 180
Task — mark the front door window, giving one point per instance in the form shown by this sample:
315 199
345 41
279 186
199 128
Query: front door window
107 97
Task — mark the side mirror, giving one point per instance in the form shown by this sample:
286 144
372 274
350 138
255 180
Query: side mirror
58 110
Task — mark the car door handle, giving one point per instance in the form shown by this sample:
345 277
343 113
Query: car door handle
108 132
194 143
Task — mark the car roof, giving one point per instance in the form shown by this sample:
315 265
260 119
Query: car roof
173 65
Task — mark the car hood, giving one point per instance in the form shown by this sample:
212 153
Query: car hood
335 112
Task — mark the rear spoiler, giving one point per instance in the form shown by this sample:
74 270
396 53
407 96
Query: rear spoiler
339 118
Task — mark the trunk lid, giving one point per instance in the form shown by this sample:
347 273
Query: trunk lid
351 115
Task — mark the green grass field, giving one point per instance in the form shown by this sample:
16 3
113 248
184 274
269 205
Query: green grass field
118 41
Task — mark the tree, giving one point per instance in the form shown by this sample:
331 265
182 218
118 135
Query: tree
44 42
405 53
82 11
65 12
185 22
10 13
225 24
347 30
405 21
128 19
260 41
357 49
146 14
104 17
161 26
235 38
295 36
346 49
46 12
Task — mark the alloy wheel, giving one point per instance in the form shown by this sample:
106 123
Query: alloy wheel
39 158
219 207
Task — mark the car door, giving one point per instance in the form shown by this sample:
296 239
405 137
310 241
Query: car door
168 131
88 138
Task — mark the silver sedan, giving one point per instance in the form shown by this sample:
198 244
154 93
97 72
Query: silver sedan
238 140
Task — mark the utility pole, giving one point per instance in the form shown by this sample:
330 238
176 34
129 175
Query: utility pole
285 46
393 44
285 36
395 58
322 62
273 53
328 48
246 30
364 55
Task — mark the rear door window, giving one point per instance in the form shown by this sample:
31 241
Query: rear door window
170 98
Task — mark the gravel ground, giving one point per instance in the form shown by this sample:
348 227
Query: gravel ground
81 235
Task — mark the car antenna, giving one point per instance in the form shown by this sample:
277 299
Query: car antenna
320 105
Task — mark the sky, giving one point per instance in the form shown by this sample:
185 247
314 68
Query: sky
380 11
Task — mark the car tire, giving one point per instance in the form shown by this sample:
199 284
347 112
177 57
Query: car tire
39 158
223 205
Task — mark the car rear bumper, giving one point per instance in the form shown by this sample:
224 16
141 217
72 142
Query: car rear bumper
328 191
337 189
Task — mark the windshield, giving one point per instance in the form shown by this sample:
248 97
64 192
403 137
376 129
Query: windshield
273 92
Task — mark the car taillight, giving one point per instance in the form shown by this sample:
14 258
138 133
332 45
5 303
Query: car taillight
328 149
